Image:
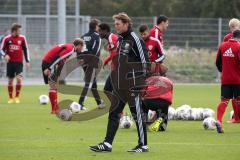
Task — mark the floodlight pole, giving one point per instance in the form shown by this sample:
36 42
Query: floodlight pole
61 21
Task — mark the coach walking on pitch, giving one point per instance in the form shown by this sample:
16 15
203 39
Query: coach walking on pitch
132 60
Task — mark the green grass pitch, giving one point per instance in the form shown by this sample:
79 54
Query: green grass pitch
28 131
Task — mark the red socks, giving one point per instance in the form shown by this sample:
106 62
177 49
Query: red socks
221 109
236 109
10 90
18 89
53 99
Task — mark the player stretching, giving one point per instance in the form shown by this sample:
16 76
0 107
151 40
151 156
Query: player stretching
104 32
156 52
158 30
227 62
52 65
13 47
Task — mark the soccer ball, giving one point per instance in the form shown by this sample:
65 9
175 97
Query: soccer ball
231 115
152 115
194 114
126 122
171 113
208 113
43 99
209 123
183 112
75 107
200 114
65 115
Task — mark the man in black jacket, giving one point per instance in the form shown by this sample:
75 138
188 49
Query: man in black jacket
93 43
128 79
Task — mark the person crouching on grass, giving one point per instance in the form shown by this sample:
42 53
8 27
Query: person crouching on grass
52 64
157 96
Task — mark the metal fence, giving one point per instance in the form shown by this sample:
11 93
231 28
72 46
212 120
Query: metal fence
40 25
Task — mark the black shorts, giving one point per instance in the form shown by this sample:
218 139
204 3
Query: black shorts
14 69
230 91
54 74
156 104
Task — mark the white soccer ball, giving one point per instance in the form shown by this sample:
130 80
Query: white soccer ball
194 115
151 114
231 115
200 114
209 123
183 112
126 122
208 113
75 107
43 99
171 113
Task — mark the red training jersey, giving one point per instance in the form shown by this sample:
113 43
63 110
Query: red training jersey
58 54
228 62
159 87
15 47
155 50
156 33
227 37
112 47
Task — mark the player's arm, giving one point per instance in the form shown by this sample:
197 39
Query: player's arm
96 45
160 51
141 48
3 49
25 50
219 60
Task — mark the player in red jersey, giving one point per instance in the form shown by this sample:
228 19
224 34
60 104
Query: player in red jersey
228 63
155 49
157 96
13 47
158 30
234 24
105 33
52 65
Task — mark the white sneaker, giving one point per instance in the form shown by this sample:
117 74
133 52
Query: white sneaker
82 107
101 105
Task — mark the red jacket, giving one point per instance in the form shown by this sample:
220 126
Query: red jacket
228 62
227 37
112 47
156 33
159 88
15 47
155 50
58 54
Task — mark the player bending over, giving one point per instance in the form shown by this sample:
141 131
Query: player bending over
52 65
227 62
13 47
157 97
